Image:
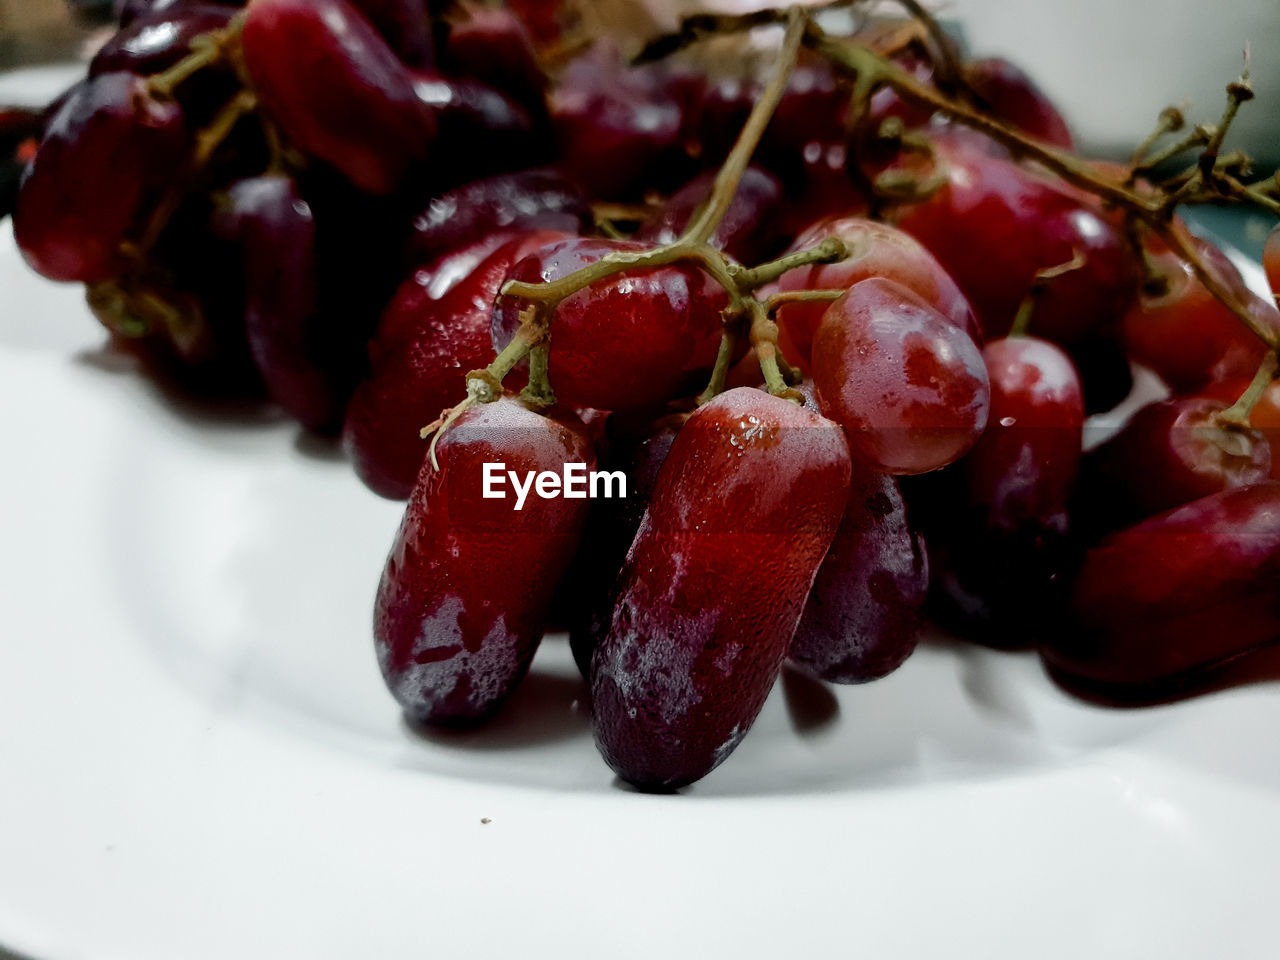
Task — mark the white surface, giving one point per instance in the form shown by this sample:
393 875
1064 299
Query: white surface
198 759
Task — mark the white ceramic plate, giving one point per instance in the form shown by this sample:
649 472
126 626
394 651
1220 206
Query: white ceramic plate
197 758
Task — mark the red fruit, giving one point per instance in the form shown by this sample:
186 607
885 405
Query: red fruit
745 508
424 348
277 234
1170 453
1012 96
750 229
864 613
1271 260
998 531
1162 602
995 225
1186 334
106 157
465 593
159 38
634 340
405 26
513 202
907 384
337 90
875 250
494 46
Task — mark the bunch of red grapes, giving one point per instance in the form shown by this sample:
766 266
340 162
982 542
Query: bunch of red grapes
324 201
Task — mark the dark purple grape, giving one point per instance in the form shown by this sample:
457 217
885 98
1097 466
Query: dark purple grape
405 26
106 157
751 228
284 323
127 11
493 46
516 202
486 131
864 613
156 40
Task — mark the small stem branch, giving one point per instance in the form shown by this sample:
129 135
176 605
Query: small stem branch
1237 415
802 296
720 372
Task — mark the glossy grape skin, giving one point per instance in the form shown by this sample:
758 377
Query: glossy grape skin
864 613
995 224
486 131
494 46
424 348
634 340
617 129
908 385
999 527
750 229
1186 334
284 323
464 597
516 202
1014 98
639 451
156 41
405 26
106 157
337 90
875 250
127 11
1167 600
1169 453
745 508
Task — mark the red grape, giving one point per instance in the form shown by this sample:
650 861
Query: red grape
157 40
527 200
875 250
494 46
750 229
1265 416
1162 602
864 613
1012 96
995 225
745 508
1271 260
634 340
405 26
424 348
907 384
284 322
1170 453
337 90
1186 334
107 156
465 593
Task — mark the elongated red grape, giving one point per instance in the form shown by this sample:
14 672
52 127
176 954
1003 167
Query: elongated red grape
864 613
1013 97
908 385
105 158
465 593
633 340
995 225
424 348
875 250
1159 603
1186 334
1265 416
337 90
750 229
527 200
999 532
1170 453
745 508
285 324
